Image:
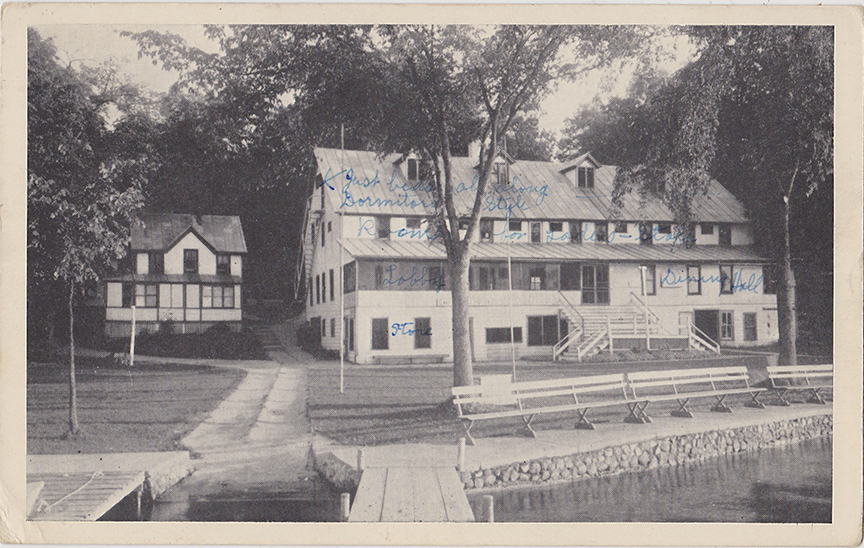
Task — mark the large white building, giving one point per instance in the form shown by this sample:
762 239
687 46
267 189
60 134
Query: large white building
553 262
184 269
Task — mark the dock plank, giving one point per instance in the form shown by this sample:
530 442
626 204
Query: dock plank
398 496
428 503
370 496
82 497
453 494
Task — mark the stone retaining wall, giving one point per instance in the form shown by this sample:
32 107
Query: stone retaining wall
649 454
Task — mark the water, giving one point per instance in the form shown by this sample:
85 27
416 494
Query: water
311 503
789 484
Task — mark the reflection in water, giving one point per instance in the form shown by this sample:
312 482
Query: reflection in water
301 505
790 484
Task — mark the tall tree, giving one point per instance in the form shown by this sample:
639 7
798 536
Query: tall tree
755 109
80 207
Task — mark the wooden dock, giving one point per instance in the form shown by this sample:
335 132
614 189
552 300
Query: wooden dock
82 496
409 494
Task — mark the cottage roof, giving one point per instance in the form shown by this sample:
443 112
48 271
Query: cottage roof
159 231
367 183
400 249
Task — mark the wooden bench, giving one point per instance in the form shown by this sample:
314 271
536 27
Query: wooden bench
409 359
682 385
502 400
811 378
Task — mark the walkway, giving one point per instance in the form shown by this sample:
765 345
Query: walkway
258 438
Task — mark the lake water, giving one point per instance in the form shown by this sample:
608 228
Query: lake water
788 484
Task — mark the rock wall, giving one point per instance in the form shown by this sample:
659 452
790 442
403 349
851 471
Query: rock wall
341 475
649 454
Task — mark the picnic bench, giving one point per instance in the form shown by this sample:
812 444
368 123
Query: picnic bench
683 385
811 378
531 398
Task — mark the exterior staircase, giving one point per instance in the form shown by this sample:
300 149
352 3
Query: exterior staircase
594 328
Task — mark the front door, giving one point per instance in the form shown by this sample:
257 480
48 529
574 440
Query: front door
708 321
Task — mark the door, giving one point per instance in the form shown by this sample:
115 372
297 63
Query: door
685 320
708 321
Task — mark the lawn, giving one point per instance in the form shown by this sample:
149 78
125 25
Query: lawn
383 405
146 408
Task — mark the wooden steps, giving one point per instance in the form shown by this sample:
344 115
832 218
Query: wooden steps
81 496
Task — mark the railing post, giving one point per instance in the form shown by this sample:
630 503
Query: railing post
344 506
609 333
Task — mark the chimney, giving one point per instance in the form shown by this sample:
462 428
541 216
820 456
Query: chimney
474 150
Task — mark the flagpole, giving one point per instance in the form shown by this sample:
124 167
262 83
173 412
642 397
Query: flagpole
341 280
510 310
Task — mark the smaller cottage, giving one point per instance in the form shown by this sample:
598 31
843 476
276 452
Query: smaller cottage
183 269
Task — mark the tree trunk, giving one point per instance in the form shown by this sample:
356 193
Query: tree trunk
463 368
786 313
73 389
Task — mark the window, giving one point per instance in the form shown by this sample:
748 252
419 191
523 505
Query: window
412 222
349 277
727 330
515 226
311 296
223 264
422 333
694 280
332 286
412 169
571 277
536 229
725 235
501 175
585 177
595 284
146 295
750 326
485 278
329 226
332 326
436 278
537 278
323 327
620 228
664 228
463 223
324 287
380 336
556 227
317 289
543 330
157 262
502 335
351 334
601 232
726 278
127 295
650 287
322 235
190 261
646 234
575 232
769 280
379 276
486 230
383 227
217 296
706 228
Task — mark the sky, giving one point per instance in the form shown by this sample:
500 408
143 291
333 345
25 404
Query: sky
95 44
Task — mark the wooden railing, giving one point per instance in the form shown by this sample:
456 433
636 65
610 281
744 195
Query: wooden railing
698 338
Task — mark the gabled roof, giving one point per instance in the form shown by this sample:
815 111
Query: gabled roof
160 231
368 184
579 160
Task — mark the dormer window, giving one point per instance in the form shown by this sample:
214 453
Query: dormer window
585 177
486 230
413 169
383 227
501 174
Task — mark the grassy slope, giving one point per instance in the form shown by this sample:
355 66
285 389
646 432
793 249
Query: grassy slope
148 408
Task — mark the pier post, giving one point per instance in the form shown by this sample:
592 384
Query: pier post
460 459
344 506
360 459
489 508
